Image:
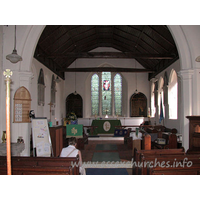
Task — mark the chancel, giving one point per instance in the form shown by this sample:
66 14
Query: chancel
132 89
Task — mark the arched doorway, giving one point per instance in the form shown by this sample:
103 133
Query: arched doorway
74 103
138 105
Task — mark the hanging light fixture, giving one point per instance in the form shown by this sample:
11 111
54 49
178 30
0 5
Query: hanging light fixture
75 93
14 57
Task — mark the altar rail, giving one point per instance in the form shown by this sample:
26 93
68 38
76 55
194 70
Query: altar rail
125 121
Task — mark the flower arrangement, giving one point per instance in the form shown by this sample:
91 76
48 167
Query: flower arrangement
72 116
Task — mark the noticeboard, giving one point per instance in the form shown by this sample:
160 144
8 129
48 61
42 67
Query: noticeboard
41 138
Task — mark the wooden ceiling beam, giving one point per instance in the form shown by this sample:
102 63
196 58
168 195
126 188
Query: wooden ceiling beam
106 69
108 55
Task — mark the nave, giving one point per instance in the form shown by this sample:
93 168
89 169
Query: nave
103 150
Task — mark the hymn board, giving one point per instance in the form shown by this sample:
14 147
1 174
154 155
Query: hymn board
42 146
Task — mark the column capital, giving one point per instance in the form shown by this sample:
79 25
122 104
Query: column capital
186 74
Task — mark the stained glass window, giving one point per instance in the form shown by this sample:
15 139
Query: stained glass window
118 94
95 94
103 93
106 93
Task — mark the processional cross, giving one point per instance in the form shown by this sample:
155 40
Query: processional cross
8 73
50 104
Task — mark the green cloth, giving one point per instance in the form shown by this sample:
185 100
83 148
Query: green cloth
74 130
105 126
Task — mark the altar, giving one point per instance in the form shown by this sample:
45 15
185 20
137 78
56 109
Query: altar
105 126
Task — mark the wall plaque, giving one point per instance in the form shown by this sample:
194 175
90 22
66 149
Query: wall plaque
22 105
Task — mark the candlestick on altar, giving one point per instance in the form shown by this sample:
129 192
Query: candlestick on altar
106 113
8 74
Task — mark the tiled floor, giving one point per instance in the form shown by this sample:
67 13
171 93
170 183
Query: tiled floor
125 154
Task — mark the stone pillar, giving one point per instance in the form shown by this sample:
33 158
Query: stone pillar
185 105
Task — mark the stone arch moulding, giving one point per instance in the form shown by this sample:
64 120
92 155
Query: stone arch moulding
182 46
30 41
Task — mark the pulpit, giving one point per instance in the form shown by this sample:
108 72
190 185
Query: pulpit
74 130
194 133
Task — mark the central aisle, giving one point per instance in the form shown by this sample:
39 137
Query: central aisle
106 150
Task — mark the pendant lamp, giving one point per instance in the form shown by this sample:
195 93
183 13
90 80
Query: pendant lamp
14 57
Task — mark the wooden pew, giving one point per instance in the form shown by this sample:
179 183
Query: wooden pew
164 162
171 142
153 152
37 170
43 163
146 142
193 170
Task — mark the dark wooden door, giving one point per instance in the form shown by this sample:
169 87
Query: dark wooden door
74 103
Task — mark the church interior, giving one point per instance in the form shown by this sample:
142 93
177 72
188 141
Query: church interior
127 93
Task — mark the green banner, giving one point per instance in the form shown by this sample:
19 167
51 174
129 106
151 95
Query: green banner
105 126
74 130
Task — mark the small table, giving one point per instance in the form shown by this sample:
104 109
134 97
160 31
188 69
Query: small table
16 149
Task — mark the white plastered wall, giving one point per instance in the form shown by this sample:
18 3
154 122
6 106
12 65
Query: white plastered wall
83 81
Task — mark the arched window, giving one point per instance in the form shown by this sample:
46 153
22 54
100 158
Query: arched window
41 88
95 94
102 94
173 95
53 90
153 109
118 94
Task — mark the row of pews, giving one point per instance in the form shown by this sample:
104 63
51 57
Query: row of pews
163 159
40 165
150 136
165 162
